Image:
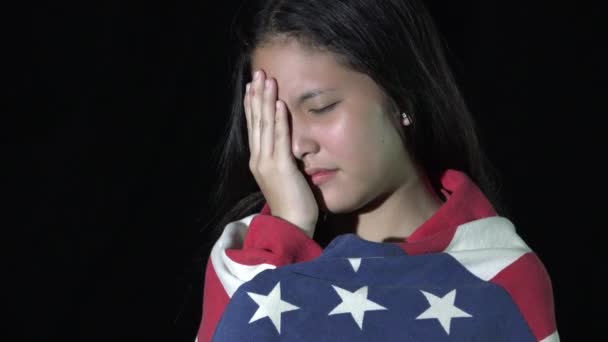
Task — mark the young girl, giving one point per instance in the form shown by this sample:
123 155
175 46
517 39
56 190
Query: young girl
362 205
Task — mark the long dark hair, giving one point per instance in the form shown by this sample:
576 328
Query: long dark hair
396 43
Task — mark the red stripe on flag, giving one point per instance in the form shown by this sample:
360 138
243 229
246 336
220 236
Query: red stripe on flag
215 300
528 283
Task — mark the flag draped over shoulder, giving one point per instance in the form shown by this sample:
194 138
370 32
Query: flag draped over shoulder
364 291
463 275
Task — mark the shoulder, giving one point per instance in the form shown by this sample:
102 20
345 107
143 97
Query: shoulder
491 249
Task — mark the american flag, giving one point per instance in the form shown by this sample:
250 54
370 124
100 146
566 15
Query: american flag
463 275
365 291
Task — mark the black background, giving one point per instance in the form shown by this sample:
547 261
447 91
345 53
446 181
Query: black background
115 108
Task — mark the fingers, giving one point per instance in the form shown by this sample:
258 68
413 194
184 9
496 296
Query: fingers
267 119
257 89
260 111
247 105
282 143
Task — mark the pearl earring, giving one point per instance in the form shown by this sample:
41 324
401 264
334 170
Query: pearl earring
406 119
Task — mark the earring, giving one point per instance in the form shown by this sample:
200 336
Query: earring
406 119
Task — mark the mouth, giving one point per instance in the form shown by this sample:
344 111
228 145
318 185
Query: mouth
320 177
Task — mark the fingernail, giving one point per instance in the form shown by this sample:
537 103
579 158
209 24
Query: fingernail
256 75
267 84
247 87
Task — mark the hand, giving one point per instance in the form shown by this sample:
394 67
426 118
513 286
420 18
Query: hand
273 166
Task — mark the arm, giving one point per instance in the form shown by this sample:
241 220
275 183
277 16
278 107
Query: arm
246 248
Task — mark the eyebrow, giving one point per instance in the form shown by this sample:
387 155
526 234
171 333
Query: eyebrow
312 93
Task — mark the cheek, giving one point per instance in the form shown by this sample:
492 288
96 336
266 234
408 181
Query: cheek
353 143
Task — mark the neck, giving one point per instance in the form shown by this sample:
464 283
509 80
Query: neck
394 216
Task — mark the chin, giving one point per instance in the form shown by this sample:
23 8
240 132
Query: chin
336 202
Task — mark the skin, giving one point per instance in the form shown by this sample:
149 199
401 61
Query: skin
377 192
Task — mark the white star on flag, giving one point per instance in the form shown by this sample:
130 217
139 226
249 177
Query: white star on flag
271 306
355 263
442 309
355 303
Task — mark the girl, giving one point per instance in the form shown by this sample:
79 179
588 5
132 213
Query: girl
362 208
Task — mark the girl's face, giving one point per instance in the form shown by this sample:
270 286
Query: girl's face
344 127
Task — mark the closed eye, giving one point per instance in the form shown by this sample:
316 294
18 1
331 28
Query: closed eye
324 109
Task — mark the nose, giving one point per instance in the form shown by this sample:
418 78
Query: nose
303 140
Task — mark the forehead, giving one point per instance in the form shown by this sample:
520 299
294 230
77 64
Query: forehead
289 56
298 68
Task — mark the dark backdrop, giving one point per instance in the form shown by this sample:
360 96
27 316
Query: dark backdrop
117 106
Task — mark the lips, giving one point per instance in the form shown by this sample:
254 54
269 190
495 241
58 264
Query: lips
318 175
